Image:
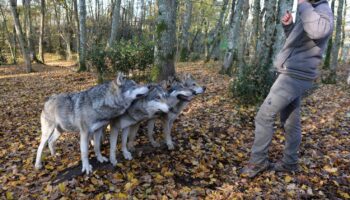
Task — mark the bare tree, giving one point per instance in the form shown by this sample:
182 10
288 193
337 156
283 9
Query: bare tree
42 29
82 38
217 31
10 38
29 29
265 44
25 53
184 51
165 49
256 23
115 23
337 40
234 34
329 45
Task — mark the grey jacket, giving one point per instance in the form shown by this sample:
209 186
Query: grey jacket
306 41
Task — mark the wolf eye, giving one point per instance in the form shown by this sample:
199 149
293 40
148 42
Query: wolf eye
158 97
193 84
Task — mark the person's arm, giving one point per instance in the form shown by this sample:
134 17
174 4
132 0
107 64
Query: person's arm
287 23
317 25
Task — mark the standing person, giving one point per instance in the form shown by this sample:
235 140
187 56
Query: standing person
297 64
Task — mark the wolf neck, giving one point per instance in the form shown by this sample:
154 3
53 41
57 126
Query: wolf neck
179 106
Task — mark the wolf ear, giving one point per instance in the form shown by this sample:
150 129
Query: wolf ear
164 84
189 76
119 80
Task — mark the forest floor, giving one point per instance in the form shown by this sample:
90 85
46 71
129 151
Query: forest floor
213 137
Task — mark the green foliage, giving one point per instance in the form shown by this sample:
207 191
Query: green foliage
124 56
3 59
161 27
184 55
155 73
253 85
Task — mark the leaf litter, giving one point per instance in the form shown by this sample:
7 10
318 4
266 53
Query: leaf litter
213 138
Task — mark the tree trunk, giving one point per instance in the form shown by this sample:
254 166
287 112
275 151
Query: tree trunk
242 40
255 30
29 30
234 34
77 25
165 49
10 38
25 53
283 6
42 28
342 47
217 31
336 45
115 23
82 39
329 46
265 49
184 51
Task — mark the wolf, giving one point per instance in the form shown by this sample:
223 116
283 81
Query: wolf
147 107
86 112
179 98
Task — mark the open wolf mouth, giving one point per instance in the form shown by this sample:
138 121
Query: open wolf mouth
184 97
140 95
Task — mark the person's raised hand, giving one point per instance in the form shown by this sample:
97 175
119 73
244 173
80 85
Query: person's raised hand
287 18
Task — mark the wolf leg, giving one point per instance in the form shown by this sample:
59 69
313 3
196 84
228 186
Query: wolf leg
52 141
113 137
150 128
126 153
97 146
47 129
84 148
132 136
167 124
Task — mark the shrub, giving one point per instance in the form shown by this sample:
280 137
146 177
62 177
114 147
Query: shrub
253 85
131 57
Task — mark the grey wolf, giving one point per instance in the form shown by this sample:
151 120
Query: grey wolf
86 112
181 91
147 107
297 62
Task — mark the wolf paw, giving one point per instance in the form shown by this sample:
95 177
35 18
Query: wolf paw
155 144
170 146
38 166
113 161
131 147
127 155
87 168
102 159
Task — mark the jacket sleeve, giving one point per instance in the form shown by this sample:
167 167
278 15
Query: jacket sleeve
316 24
288 29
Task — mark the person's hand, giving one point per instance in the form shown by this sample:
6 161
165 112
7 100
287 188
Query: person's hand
287 18
301 1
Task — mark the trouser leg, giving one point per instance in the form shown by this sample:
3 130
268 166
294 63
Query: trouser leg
291 122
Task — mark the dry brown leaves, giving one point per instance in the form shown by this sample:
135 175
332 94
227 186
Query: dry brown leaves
213 139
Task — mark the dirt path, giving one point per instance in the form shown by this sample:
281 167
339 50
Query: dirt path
213 139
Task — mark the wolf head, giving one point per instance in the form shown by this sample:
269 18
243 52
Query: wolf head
189 82
128 88
157 100
178 91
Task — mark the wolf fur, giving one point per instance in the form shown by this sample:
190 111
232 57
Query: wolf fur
86 112
155 102
181 93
